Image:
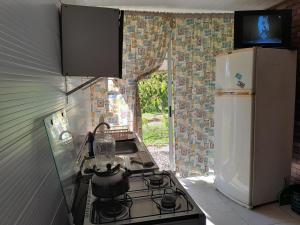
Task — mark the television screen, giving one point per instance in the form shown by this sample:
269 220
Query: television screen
262 28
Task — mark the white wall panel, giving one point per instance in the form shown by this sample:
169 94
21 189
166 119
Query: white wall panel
79 110
31 87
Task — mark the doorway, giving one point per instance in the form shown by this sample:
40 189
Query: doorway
156 94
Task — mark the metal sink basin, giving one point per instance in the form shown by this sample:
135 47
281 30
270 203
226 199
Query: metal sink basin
126 147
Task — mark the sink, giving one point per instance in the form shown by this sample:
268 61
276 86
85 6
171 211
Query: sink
126 147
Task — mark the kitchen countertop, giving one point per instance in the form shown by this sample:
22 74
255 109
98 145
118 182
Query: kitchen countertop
125 160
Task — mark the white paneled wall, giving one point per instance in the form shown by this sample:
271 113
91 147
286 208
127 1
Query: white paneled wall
79 110
31 87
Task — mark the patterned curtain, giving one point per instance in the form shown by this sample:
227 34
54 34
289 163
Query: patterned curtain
145 44
146 40
99 100
108 100
196 42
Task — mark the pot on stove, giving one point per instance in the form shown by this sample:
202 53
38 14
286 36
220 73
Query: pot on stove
110 183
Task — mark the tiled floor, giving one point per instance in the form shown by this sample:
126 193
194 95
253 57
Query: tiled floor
222 211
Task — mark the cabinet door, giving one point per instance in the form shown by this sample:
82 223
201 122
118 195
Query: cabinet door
91 41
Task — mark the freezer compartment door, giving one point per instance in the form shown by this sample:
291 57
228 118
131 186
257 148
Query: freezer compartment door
233 134
235 71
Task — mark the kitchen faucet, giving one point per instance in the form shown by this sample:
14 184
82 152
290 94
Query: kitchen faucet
100 124
91 137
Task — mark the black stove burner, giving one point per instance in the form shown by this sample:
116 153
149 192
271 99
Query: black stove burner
156 180
108 211
168 201
112 209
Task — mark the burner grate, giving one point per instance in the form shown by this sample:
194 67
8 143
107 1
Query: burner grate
158 180
111 210
154 193
157 199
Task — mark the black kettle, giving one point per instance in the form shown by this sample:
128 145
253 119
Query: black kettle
110 183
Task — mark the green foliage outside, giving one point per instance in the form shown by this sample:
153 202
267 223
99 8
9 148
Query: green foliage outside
155 129
154 105
154 93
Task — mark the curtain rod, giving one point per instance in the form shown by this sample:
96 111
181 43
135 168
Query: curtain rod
184 15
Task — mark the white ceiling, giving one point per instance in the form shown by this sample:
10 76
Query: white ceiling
180 5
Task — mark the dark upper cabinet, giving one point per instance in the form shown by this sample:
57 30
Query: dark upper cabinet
91 41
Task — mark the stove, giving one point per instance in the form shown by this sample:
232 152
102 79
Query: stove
153 198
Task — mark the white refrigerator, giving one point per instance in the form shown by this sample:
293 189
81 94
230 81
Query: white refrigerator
254 119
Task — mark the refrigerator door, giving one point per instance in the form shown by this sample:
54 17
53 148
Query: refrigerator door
235 71
233 134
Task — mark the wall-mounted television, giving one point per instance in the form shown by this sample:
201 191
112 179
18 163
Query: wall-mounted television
266 28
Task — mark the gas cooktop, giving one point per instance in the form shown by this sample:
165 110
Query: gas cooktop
153 198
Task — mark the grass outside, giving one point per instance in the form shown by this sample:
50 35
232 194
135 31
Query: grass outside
155 129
